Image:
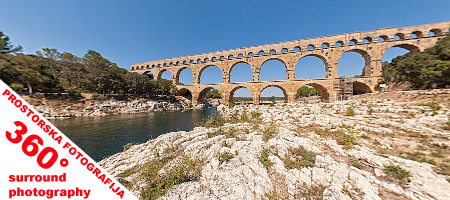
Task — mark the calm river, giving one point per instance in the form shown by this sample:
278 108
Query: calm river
102 136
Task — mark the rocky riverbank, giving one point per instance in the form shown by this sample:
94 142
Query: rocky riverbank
356 149
86 106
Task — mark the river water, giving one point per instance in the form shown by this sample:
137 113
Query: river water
103 136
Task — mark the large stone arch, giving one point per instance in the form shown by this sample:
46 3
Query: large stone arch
258 68
258 95
185 92
411 47
367 60
201 94
161 72
361 88
200 71
178 72
231 95
322 58
230 69
323 91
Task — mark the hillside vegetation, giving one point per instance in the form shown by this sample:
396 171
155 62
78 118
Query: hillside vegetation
422 69
50 71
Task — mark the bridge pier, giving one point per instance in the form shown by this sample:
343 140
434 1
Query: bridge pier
290 97
255 98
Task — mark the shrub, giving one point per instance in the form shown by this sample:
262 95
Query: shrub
256 115
397 172
309 192
420 157
231 133
357 164
183 171
264 158
350 112
225 144
244 117
347 140
298 158
17 86
434 106
215 133
127 146
127 173
225 157
437 153
231 104
341 138
269 133
214 120
370 111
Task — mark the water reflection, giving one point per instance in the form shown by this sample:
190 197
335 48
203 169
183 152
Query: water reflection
102 136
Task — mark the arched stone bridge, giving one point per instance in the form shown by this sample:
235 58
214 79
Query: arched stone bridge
370 44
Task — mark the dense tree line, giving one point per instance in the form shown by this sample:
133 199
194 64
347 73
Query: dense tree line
50 71
423 69
306 91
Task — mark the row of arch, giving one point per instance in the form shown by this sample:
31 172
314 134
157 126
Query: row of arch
324 93
226 73
366 40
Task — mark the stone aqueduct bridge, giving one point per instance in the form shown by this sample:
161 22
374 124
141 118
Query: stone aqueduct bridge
370 44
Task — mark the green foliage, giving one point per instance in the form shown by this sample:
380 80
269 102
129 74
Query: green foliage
370 111
422 69
6 46
306 91
214 120
271 196
54 72
420 157
357 164
256 115
225 157
183 171
225 144
347 140
434 106
350 112
213 94
397 172
264 158
244 117
231 104
215 133
437 153
299 157
127 146
341 137
269 133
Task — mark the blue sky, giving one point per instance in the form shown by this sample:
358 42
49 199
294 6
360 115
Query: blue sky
128 32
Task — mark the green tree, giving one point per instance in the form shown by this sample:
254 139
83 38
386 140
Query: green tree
50 71
306 91
422 69
213 94
6 46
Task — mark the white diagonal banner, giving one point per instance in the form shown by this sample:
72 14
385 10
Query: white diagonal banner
40 162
